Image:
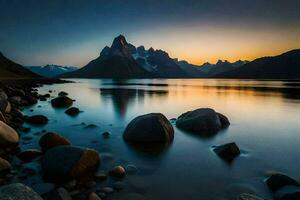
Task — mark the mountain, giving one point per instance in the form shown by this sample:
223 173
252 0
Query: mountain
51 70
10 69
114 62
207 69
284 66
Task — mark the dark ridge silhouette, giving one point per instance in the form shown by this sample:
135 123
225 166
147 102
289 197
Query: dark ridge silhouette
10 69
114 62
284 66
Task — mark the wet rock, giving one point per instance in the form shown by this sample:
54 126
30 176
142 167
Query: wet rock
29 155
153 127
18 191
62 94
5 106
3 118
227 151
51 139
203 121
67 162
100 175
8 136
61 102
15 100
118 172
60 194
246 196
277 181
37 120
93 196
43 188
4 165
287 193
106 134
72 111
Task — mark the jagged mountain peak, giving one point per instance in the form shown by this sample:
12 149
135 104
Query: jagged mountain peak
119 42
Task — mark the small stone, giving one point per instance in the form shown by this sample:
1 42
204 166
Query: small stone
29 155
100 176
227 151
106 134
4 165
106 190
93 196
71 184
37 120
61 102
63 93
43 188
73 111
118 172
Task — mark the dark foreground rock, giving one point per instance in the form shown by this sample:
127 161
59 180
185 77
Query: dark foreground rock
202 121
277 181
18 191
118 172
37 120
8 136
29 155
227 151
61 102
67 162
72 111
153 127
51 139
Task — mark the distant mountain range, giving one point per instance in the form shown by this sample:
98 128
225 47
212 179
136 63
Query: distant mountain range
284 66
124 60
10 69
51 70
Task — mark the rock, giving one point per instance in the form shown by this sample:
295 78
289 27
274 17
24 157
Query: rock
61 102
15 100
118 185
18 191
106 190
72 111
60 194
5 106
51 139
153 127
43 188
29 155
203 121
227 151
3 118
288 193
131 169
71 184
118 172
277 181
8 136
106 134
67 162
246 196
63 93
100 175
4 165
37 120
93 196
3 95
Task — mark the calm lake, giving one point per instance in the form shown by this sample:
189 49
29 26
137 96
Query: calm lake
265 124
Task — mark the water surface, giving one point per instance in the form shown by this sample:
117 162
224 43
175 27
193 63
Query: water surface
265 123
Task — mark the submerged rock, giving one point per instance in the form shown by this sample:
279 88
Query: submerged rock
18 191
37 120
277 181
67 162
8 136
227 151
202 121
61 102
118 172
29 155
51 139
153 127
72 111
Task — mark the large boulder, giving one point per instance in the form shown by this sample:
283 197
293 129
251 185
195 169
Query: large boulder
277 181
8 136
4 165
18 191
227 151
61 102
51 139
68 162
202 121
153 127
37 120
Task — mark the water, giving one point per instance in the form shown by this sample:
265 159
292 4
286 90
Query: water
265 123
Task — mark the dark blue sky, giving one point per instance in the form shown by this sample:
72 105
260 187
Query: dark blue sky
72 32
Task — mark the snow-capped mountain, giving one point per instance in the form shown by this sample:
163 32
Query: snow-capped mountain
51 70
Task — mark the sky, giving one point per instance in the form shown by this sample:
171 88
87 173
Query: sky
73 32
